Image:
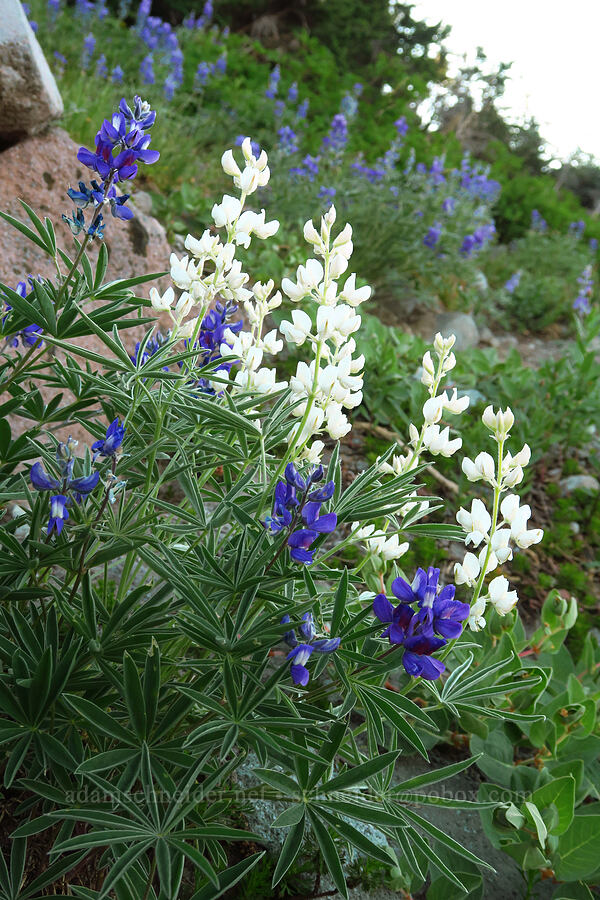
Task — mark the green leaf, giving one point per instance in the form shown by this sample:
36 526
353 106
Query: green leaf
359 774
290 816
330 854
560 793
289 851
134 696
578 849
279 781
97 718
229 878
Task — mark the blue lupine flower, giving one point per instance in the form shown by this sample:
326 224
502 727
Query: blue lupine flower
416 629
358 88
291 511
337 138
116 76
58 513
89 45
150 348
278 108
202 75
467 245
300 653
581 304
273 87
221 64
401 126
147 69
433 235
538 223
437 607
513 282
593 244
109 445
328 195
448 205
288 139
436 172
293 92
302 109
169 87
309 168
101 67
121 144
577 228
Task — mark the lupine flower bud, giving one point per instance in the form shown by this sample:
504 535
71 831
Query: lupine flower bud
500 423
443 345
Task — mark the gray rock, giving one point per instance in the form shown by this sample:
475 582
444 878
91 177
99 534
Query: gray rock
143 201
579 483
460 324
29 97
480 282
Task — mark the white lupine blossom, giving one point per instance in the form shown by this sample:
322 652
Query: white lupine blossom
496 533
476 523
432 436
378 543
499 595
211 271
482 467
332 382
467 572
476 621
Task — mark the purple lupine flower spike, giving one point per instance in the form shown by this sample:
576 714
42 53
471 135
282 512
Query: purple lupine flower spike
437 613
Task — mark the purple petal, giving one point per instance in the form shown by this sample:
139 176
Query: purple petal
325 524
403 591
447 593
382 608
424 666
41 480
300 675
327 645
302 538
302 556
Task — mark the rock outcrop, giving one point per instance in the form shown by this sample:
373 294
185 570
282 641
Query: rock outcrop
29 97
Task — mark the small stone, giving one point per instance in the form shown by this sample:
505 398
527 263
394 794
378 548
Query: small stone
29 97
486 336
460 324
579 483
480 282
143 201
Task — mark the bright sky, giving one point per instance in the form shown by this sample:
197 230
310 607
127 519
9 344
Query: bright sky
555 54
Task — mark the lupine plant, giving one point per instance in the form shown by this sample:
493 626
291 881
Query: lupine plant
178 599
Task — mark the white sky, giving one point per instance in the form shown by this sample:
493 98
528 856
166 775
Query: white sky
555 50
